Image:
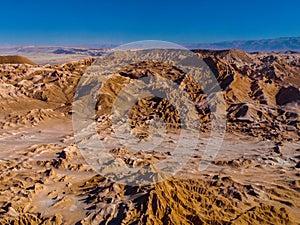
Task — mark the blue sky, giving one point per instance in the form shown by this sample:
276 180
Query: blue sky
77 22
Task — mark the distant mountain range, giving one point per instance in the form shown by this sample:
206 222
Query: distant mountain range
58 50
265 45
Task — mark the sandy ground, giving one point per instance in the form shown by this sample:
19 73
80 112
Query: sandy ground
52 59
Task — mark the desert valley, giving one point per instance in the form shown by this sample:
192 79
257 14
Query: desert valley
254 178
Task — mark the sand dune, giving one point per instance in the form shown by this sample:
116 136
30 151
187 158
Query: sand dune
15 59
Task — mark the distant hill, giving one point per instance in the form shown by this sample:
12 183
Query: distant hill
15 59
265 45
80 51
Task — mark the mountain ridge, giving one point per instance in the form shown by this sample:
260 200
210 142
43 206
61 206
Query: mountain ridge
263 45
283 44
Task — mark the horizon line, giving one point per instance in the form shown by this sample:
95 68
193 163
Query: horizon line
106 44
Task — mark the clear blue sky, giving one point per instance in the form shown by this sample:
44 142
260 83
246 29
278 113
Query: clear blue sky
76 22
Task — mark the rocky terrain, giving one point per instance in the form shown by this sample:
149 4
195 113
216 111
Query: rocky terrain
254 179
